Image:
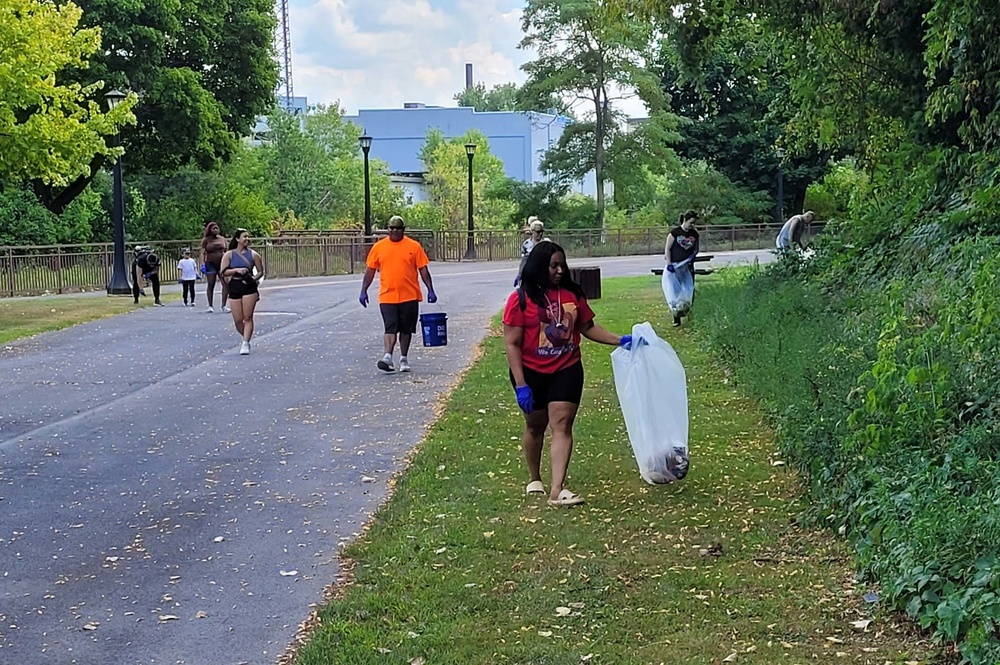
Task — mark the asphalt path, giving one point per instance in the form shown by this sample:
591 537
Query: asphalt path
165 500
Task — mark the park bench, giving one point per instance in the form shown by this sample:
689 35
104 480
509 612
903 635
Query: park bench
697 271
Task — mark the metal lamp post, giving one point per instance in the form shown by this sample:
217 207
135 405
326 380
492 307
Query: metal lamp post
781 186
470 252
119 284
366 146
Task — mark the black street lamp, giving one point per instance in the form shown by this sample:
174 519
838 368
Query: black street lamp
366 145
781 186
119 284
470 252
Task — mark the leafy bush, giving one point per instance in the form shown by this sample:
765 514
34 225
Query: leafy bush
877 360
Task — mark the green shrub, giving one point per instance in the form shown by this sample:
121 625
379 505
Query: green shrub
878 364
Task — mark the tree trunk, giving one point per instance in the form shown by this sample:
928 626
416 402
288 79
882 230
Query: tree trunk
57 203
599 129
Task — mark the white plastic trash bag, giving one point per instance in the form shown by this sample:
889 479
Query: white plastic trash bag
678 289
652 390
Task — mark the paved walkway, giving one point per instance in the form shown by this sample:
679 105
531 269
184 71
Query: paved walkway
165 500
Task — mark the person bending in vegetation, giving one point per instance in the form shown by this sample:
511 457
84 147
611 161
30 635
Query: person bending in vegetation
792 231
542 325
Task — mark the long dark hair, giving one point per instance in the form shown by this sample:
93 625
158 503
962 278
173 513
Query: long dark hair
234 241
535 276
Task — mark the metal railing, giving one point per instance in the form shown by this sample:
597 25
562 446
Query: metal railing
34 270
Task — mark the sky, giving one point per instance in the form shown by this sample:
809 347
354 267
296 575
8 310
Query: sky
381 53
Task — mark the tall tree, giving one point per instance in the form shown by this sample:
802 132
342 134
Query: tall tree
202 70
49 129
735 109
501 97
313 168
447 167
586 54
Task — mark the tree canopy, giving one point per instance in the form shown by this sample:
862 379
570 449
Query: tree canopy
50 128
592 58
202 71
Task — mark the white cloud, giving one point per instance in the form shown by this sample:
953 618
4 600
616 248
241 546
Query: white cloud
382 53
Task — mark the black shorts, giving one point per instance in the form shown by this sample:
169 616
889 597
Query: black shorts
238 288
400 317
566 385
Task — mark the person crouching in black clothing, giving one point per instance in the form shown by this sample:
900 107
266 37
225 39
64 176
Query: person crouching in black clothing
146 265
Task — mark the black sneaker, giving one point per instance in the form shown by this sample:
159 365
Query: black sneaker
677 322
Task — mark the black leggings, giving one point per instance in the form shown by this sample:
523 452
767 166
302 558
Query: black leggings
188 287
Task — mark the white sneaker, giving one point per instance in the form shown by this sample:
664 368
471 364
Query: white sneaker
210 310
385 364
404 365
226 309
245 349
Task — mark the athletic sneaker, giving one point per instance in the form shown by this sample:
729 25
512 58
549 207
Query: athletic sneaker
226 309
210 310
245 349
159 304
386 364
404 365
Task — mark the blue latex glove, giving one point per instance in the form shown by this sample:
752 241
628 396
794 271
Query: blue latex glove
626 342
525 399
671 268
204 270
517 280
363 299
432 297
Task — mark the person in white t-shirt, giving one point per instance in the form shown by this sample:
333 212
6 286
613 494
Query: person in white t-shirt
187 270
536 229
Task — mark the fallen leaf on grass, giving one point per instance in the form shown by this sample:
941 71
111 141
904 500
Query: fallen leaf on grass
563 611
861 624
545 633
835 640
731 658
419 660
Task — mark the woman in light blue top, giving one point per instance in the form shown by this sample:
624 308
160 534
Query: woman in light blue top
243 271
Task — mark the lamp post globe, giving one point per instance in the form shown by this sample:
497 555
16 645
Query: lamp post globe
119 284
366 146
470 251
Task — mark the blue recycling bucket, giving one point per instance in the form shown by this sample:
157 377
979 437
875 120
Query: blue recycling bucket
434 327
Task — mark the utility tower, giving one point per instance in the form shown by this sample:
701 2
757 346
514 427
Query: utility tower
283 48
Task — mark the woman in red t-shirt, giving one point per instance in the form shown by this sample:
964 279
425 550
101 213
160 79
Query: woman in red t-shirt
542 325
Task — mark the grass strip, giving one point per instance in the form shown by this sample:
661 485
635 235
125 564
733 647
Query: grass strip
460 566
24 317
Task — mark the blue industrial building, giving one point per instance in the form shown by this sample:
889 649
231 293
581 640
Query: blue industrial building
518 139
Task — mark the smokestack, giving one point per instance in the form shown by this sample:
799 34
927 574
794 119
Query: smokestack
468 76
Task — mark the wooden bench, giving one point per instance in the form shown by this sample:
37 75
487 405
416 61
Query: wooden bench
697 271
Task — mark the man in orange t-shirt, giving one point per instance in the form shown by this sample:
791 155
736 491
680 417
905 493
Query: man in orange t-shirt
398 260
